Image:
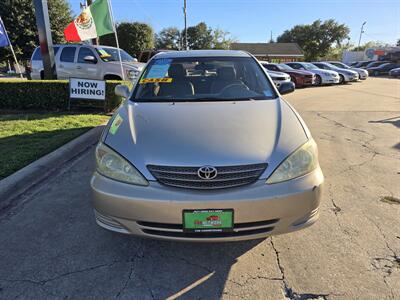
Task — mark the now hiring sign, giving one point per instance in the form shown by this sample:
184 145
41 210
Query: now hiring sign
87 89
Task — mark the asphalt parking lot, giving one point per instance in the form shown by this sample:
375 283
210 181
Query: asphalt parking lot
50 246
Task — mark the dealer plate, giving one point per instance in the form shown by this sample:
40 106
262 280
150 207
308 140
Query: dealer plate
208 220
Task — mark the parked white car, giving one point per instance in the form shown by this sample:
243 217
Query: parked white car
363 74
321 76
344 74
278 77
88 61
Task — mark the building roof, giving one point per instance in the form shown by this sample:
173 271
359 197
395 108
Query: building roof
271 49
202 53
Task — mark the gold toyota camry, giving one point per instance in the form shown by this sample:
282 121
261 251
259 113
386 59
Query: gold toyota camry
205 149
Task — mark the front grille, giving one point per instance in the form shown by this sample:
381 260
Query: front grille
227 176
279 78
176 230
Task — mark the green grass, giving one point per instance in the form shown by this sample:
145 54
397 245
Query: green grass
25 138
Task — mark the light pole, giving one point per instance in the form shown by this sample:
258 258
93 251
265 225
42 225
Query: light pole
184 14
361 32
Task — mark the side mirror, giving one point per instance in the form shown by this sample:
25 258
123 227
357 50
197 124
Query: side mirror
286 88
90 59
122 91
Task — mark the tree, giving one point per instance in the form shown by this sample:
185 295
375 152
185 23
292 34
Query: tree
398 43
317 38
370 44
20 22
133 37
221 39
199 36
169 38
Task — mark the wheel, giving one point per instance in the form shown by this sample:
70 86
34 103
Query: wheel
318 80
341 79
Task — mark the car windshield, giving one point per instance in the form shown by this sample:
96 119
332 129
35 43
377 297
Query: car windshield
309 66
111 54
203 79
340 65
284 67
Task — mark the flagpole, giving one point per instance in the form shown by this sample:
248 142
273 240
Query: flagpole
11 47
116 37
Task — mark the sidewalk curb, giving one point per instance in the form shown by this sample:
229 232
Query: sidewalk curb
22 180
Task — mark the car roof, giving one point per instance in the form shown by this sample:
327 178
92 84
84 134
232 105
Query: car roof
202 53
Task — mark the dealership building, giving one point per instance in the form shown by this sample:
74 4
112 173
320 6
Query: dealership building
272 52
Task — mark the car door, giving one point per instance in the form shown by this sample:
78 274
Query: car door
87 69
66 66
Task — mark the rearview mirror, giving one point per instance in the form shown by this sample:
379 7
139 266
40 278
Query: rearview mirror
90 59
286 88
122 91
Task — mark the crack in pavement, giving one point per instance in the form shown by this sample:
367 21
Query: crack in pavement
394 259
131 269
288 291
45 281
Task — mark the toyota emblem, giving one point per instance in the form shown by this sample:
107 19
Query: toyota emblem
207 172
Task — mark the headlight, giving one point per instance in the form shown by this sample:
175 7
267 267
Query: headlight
132 73
300 162
113 165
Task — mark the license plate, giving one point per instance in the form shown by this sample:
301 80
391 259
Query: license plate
208 220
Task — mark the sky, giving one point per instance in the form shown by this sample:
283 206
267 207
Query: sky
253 20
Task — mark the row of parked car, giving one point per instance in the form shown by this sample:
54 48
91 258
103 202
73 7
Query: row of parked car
378 67
304 74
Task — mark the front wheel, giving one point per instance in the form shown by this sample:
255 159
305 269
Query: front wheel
318 80
341 79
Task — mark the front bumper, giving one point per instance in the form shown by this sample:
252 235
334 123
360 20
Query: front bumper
279 82
155 211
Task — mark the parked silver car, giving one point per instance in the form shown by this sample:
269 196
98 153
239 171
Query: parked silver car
205 149
363 74
88 61
344 74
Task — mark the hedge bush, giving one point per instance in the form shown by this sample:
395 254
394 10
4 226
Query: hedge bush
49 95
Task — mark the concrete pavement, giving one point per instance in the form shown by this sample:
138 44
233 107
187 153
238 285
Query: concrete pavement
51 248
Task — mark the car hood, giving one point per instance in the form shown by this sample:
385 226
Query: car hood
220 133
346 71
324 72
277 74
299 72
358 70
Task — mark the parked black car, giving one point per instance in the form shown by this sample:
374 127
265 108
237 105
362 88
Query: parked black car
359 64
374 64
394 72
382 69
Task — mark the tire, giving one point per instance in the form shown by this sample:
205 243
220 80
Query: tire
41 75
112 77
341 79
318 80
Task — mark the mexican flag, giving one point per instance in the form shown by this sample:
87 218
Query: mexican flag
94 21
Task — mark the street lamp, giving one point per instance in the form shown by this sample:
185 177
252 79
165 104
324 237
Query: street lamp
185 17
361 32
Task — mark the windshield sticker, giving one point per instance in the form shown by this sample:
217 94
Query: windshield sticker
154 80
158 71
115 124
